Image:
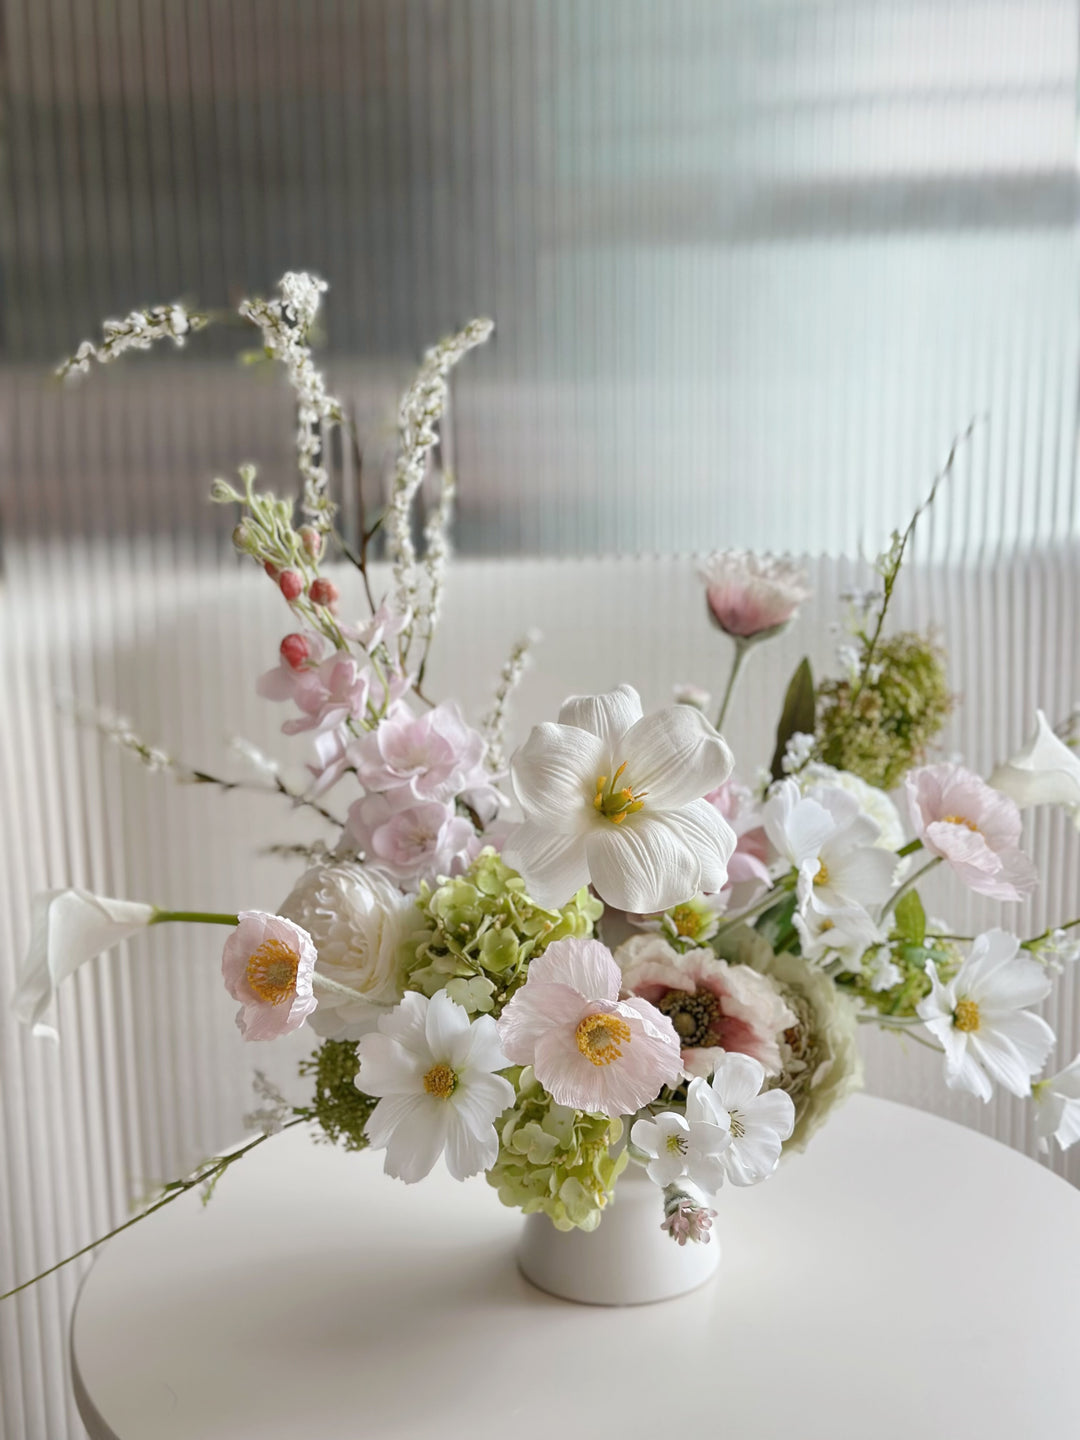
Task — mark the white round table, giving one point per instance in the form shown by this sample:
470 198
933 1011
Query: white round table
906 1279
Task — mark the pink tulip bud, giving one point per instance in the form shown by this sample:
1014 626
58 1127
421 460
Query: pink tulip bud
294 651
323 592
291 585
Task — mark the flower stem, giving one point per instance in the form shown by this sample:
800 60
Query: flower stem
211 1171
909 848
772 896
193 917
741 648
884 1023
909 884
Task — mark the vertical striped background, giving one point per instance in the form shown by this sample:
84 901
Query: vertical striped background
753 265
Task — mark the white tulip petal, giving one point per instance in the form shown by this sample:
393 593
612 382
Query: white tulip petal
676 756
702 827
642 865
554 774
607 716
554 867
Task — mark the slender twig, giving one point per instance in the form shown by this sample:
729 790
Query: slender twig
908 884
203 777
742 647
211 1171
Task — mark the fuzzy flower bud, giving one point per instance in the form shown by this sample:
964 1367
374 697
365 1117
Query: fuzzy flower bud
294 651
312 541
323 592
686 1218
291 585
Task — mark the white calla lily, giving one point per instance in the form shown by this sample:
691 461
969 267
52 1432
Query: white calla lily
70 927
615 798
1045 772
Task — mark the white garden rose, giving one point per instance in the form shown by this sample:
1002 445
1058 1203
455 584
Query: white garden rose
357 919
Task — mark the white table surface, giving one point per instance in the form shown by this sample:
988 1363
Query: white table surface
906 1279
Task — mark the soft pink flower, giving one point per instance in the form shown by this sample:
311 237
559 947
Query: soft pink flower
267 964
973 827
385 624
749 863
589 1049
411 839
288 681
715 1007
433 754
751 595
336 690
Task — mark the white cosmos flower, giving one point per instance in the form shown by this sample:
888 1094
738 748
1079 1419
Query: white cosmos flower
1045 772
1057 1102
981 1020
615 798
68 928
841 934
681 1149
832 844
435 1074
758 1124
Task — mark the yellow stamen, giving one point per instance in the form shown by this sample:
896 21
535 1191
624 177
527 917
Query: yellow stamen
271 971
822 876
615 801
686 920
966 1015
440 1081
600 1038
959 820
675 1144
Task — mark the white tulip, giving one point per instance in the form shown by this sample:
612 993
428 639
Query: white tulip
69 927
1045 772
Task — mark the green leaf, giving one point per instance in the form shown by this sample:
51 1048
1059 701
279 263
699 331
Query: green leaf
797 714
910 918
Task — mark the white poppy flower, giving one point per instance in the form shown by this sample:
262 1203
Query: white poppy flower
1057 1102
435 1074
832 844
981 1020
758 1124
681 1149
70 927
1045 772
615 798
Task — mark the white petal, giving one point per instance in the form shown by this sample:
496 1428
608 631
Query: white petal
418 1140
607 716
709 836
406 1023
554 774
553 866
485 1049
774 1109
481 1099
676 756
642 865
1029 1035
738 1080
447 1030
389 1113
647 1136
586 966
387 1067
753 1158
469 1152
532 1012
963 1072
666 1168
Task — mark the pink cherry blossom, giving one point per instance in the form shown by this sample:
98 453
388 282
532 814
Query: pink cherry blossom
288 681
972 827
589 1049
433 754
751 595
411 839
337 690
714 1006
268 963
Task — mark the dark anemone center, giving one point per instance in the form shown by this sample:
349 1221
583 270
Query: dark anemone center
695 1015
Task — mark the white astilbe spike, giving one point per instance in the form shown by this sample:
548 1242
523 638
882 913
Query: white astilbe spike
137 331
493 726
285 325
437 551
421 408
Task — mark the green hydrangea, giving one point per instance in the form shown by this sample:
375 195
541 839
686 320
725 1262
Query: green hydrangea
481 931
554 1159
338 1106
882 725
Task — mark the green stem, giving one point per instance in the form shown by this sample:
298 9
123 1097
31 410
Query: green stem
909 884
212 1170
771 897
886 1024
194 917
1038 939
741 649
909 848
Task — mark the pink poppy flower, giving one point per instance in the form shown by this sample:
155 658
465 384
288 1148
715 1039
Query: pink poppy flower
268 963
714 1006
973 827
589 1049
752 596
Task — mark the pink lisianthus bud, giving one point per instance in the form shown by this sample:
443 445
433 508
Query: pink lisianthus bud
291 585
752 596
295 651
323 592
312 541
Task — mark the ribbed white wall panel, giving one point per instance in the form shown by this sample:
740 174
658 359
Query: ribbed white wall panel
151 1074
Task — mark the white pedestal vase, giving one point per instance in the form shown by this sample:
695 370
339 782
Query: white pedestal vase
627 1260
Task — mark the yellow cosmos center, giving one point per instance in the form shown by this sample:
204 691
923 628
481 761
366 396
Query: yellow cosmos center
959 820
440 1081
966 1015
822 876
614 801
271 971
600 1038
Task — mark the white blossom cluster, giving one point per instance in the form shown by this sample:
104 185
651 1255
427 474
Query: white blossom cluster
285 324
138 331
493 727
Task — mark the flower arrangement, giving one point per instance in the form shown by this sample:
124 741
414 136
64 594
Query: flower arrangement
605 951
